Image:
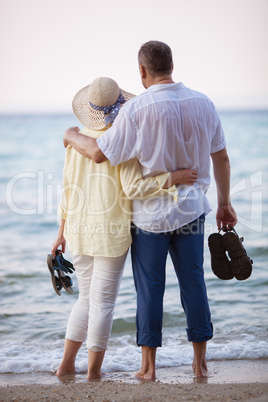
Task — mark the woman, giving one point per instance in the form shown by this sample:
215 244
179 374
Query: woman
95 217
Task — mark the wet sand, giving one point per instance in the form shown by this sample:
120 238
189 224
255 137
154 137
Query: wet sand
228 380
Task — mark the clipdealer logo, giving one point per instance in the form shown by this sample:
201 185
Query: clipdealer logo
31 193
248 194
22 200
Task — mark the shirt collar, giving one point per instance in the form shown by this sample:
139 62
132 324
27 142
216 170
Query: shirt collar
165 87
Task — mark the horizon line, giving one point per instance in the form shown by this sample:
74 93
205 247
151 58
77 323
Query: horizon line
69 113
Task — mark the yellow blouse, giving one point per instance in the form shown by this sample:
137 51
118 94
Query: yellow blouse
96 201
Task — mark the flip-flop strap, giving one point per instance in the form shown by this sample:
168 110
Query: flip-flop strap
67 264
225 230
59 264
67 281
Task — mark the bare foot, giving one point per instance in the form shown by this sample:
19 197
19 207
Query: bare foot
95 360
67 366
65 370
199 365
92 375
147 370
200 371
146 375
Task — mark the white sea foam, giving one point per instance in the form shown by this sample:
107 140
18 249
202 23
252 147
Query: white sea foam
123 354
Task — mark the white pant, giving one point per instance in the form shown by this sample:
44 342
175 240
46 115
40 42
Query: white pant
92 315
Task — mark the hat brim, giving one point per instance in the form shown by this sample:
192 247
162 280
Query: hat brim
89 117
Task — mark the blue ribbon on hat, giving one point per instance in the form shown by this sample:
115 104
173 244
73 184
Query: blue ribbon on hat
110 111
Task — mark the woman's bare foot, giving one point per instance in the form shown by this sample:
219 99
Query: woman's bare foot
94 375
65 370
67 366
95 360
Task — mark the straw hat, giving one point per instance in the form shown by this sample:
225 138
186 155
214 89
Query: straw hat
97 104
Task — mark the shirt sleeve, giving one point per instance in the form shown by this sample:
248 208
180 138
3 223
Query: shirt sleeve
118 143
218 141
136 187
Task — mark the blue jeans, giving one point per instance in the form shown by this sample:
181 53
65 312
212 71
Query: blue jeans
149 253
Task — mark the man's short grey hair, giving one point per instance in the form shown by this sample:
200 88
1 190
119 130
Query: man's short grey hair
156 57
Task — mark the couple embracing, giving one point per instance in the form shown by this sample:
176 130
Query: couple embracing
138 173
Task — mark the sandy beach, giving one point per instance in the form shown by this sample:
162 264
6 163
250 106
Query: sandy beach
228 380
109 391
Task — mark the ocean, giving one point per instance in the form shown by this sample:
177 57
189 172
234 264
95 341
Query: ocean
33 317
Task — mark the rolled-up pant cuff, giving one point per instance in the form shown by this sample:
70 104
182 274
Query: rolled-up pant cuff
152 339
200 333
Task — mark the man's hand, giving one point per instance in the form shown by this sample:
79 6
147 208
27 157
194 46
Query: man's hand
226 217
85 145
68 135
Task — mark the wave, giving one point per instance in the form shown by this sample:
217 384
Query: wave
124 355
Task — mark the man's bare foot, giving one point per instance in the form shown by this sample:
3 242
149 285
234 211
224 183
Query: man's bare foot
199 365
65 370
146 375
200 370
147 370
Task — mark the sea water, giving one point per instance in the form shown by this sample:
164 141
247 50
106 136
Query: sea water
33 317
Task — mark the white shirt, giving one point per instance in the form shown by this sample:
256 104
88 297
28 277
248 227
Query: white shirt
168 127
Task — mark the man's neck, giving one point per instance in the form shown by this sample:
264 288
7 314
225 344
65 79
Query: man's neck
159 81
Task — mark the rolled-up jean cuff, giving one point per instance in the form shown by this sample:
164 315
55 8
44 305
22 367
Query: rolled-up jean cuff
152 339
201 333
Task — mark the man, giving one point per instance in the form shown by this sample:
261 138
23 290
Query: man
168 127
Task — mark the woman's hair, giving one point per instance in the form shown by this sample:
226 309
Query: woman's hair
156 57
